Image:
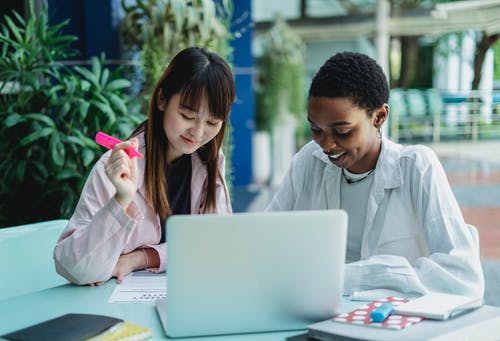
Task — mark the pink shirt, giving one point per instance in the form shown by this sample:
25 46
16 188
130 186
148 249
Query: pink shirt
100 230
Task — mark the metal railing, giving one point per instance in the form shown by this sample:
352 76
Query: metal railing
430 115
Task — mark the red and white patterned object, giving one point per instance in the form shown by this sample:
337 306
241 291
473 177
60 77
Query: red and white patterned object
361 315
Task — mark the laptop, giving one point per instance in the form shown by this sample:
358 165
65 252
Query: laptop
252 272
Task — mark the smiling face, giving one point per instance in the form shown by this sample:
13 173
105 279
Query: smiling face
345 132
187 129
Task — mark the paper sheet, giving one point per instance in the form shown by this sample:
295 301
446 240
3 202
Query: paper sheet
140 286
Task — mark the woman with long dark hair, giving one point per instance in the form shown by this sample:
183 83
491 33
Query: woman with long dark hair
119 223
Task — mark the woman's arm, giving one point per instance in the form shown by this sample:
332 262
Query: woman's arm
89 247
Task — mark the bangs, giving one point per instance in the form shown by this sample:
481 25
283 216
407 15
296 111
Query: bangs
212 86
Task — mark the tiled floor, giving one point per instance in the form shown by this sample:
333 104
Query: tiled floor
475 180
476 185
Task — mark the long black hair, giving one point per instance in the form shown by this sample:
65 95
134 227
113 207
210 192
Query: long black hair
196 74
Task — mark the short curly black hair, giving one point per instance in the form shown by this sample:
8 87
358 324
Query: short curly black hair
352 75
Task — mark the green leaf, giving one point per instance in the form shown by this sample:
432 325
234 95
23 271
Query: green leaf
13 28
117 84
104 78
75 140
36 135
21 170
65 108
96 66
100 97
88 157
29 33
105 109
41 170
83 109
42 118
56 150
19 18
118 103
67 174
88 76
42 22
88 141
13 119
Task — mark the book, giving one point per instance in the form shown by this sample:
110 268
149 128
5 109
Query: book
80 327
480 324
125 331
438 306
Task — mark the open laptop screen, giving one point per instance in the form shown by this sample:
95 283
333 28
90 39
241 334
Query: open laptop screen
253 272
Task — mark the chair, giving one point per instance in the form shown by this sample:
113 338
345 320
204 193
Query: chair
26 258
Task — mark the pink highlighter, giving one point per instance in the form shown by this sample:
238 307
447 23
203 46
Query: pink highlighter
110 142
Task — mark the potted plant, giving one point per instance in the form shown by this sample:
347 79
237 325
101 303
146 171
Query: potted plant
280 95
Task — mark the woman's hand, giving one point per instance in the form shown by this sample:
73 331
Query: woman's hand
127 263
122 172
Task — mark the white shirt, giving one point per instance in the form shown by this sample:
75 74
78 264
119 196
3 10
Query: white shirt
415 239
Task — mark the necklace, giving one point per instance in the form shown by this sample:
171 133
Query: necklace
353 181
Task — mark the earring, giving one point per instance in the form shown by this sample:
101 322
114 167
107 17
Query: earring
161 104
379 133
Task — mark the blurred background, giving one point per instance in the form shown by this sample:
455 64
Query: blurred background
71 68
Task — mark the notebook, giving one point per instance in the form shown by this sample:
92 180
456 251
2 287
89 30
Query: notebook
361 316
77 327
439 306
480 324
252 272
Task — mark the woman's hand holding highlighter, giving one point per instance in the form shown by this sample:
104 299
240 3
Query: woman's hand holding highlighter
110 142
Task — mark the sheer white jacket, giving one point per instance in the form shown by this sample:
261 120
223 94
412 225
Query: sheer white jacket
415 239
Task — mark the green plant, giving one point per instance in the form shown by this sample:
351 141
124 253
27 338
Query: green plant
161 28
282 73
50 114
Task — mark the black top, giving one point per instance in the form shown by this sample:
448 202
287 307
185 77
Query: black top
179 188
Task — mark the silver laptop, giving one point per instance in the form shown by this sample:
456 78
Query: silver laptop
252 272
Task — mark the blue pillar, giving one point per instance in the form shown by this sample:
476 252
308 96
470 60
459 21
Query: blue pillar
242 114
101 28
94 22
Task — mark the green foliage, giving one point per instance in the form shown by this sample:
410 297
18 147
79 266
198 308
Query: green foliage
496 63
161 28
50 114
282 74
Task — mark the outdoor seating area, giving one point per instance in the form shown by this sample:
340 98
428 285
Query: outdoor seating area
430 115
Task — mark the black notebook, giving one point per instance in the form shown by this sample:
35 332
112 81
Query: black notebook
69 327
